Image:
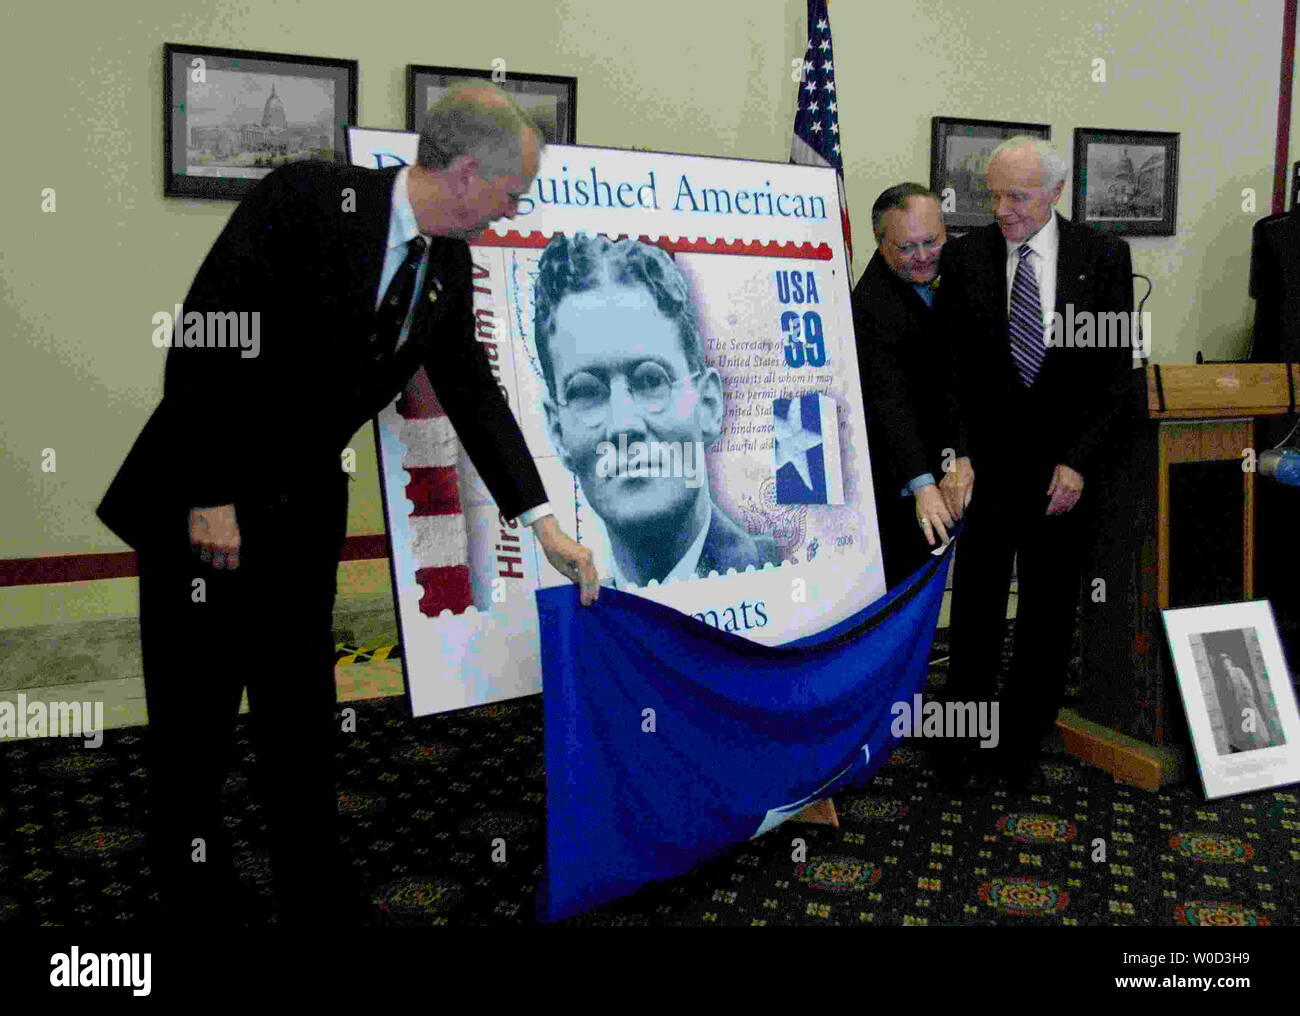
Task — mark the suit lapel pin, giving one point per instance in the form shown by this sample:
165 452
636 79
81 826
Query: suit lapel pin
434 291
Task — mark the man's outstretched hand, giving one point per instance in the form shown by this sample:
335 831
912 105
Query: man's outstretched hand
932 513
568 557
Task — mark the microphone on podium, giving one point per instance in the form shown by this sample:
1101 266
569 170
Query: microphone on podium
1137 320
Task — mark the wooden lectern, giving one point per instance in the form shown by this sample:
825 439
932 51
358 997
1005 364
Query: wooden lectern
1176 530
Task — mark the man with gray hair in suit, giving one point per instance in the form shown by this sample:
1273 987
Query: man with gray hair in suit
235 499
1031 414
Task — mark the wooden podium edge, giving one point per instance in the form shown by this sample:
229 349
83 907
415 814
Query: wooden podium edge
1126 758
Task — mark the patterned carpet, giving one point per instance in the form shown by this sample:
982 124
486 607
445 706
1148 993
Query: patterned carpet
423 799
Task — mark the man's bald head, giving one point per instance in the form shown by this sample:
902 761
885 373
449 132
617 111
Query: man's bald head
478 119
479 152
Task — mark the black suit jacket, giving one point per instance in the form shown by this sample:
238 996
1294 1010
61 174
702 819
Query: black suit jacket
1275 285
903 379
305 249
1071 415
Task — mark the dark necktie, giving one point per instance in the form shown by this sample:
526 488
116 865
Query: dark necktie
1026 321
396 303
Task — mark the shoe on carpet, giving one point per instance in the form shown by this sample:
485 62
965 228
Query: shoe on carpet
1018 771
957 773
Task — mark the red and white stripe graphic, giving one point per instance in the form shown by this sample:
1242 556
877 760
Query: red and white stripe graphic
438 538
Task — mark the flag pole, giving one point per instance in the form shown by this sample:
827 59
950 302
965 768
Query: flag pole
815 142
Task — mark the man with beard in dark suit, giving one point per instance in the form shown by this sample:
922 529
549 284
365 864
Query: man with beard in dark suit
1032 408
904 386
234 495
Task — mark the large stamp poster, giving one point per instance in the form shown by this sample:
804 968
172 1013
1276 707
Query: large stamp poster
674 335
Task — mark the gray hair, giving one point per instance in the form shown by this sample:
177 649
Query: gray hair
462 123
1053 166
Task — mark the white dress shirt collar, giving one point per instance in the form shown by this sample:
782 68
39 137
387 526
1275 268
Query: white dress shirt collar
402 224
1043 243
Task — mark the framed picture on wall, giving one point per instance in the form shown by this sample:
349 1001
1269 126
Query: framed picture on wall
231 116
551 100
1241 707
959 162
1126 182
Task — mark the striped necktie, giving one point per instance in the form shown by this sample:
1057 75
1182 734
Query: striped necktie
1026 321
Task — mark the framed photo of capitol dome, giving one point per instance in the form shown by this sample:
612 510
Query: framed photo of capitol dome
231 116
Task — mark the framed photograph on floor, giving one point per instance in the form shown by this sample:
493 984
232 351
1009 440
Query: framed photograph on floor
1238 695
1126 182
959 162
231 116
549 99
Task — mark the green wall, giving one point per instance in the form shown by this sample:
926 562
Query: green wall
84 83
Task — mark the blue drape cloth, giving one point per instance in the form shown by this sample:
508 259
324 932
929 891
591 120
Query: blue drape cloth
740 737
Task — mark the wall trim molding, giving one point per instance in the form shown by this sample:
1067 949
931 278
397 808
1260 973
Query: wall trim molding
40 571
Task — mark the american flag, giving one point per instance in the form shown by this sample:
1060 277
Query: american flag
816 139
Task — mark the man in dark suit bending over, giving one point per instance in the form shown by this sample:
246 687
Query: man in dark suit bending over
1032 421
236 501
904 385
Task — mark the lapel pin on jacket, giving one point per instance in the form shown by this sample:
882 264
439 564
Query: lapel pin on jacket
435 290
